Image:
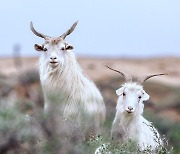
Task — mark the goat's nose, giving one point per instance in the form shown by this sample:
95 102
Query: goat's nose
130 108
53 58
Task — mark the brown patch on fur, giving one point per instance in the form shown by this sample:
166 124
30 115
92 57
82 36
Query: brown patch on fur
55 41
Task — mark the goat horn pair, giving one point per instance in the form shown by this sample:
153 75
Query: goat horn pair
127 77
63 36
140 80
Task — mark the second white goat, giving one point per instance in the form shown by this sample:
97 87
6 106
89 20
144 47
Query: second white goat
129 122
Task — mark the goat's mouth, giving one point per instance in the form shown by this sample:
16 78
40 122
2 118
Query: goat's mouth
53 63
129 112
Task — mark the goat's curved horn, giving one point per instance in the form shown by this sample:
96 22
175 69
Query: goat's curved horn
127 77
69 31
37 33
144 78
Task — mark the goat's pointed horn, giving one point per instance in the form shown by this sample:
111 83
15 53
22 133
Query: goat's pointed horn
37 33
127 77
144 78
69 31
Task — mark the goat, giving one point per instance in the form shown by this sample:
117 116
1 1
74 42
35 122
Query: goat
64 84
129 122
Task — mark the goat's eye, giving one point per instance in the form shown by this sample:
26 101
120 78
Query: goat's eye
124 94
45 49
63 48
139 97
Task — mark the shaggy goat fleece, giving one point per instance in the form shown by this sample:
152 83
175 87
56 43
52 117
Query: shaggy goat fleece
69 91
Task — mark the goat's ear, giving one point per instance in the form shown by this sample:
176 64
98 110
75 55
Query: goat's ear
69 47
145 96
119 91
39 47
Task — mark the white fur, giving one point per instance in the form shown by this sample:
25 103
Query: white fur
68 89
133 125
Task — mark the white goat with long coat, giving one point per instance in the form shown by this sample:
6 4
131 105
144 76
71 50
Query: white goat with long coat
129 122
64 84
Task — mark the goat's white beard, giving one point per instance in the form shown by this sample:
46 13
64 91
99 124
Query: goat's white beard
71 92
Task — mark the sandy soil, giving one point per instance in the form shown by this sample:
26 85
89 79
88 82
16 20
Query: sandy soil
96 70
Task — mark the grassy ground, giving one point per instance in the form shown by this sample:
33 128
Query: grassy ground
22 94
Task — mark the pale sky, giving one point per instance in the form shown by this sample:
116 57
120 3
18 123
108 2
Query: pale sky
106 28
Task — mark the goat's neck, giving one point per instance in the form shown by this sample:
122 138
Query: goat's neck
128 120
129 125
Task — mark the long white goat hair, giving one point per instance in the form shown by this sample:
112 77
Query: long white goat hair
65 86
71 88
129 122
